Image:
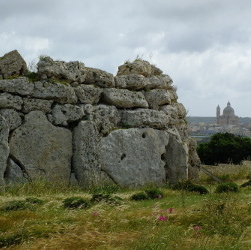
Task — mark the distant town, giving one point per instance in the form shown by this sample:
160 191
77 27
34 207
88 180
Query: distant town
201 128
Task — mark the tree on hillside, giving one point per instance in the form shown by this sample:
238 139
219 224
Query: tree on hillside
224 148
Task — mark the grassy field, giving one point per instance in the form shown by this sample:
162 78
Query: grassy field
33 216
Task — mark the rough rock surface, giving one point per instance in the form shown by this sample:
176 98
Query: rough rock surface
12 118
69 71
99 77
123 98
132 166
88 93
144 118
4 148
176 159
86 160
54 91
157 97
10 101
42 149
139 67
14 174
32 104
83 126
12 64
20 86
63 114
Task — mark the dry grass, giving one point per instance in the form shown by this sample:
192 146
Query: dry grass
213 221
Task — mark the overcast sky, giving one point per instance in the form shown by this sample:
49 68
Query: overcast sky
204 45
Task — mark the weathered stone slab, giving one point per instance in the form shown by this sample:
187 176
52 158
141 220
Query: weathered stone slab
4 148
12 118
10 101
139 67
159 82
124 98
176 159
54 91
105 117
88 93
132 81
14 174
63 114
69 71
157 97
144 118
20 86
133 157
31 104
99 77
12 64
43 150
86 161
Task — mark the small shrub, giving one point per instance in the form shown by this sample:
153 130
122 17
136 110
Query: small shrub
246 184
100 197
139 196
16 205
227 187
190 187
34 201
105 189
75 202
154 193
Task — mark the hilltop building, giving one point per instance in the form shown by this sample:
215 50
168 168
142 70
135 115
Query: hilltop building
228 117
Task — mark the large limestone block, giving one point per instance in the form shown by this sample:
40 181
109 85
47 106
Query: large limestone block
176 159
4 148
132 81
63 114
88 93
12 118
133 157
54 91
10 101
20 86
69 71
140 118
43 150
159 82
14 174
157 97
193 160
86 161
105 117
123 98
12 64
99 77
139 67
31 104
172 112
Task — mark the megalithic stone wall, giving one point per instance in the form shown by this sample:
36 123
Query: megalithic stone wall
72 124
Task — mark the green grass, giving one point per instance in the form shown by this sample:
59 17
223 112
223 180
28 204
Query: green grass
179 219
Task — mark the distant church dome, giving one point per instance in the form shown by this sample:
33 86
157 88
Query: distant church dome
228 110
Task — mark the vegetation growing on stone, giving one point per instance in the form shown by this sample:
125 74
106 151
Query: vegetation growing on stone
227 187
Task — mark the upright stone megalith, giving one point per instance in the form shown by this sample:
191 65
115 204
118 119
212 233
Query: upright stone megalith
41 149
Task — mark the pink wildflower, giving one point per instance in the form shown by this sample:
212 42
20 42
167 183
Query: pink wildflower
196 228
95 213
159 196
170 210
162 218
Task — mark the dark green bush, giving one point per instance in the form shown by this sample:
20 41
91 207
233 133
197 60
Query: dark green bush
33 200
154 193
227 187
246 184
139 196
75 202
16 205
190 187
224 148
